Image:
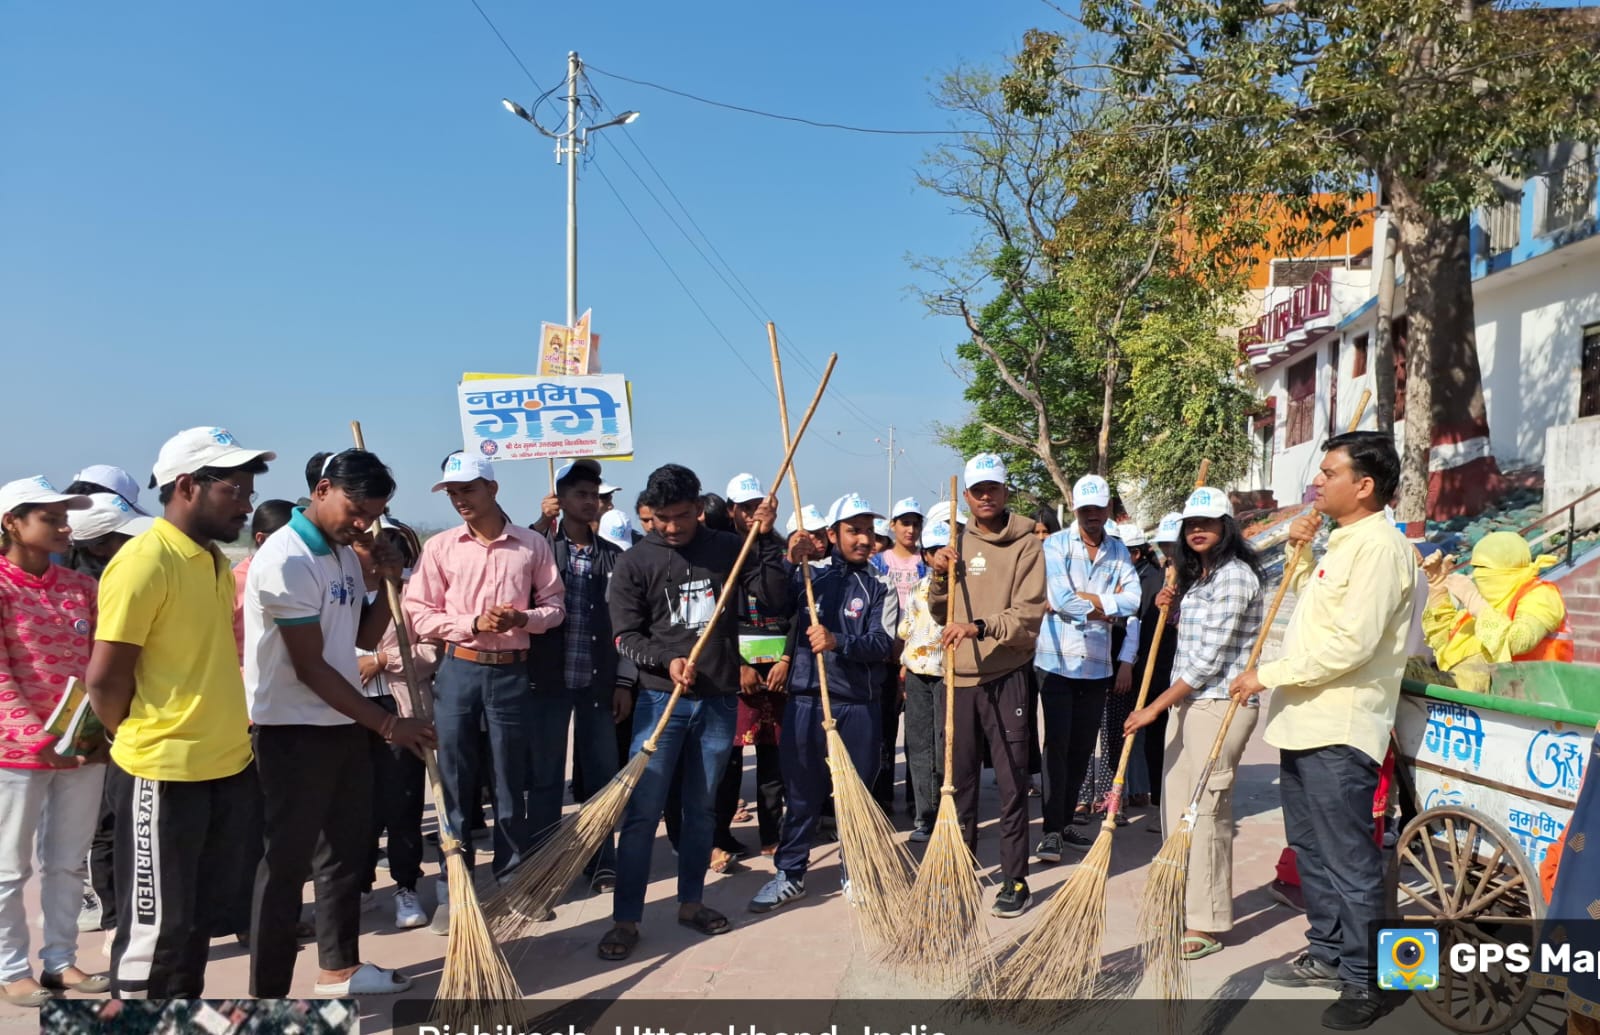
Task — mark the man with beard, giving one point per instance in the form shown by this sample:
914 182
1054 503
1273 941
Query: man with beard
164 678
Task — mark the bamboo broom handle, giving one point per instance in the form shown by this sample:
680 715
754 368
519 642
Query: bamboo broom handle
420 700
950 652
794 491
1289 565
1114 799
729 586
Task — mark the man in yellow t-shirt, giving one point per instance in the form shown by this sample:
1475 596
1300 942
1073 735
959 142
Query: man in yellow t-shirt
165 680
1336 689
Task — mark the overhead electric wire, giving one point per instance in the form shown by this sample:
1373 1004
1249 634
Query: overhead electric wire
544 95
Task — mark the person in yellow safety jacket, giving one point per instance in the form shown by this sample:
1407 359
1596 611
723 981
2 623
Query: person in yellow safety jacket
1506 612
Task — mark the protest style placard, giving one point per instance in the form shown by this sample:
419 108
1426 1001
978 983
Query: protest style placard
540 417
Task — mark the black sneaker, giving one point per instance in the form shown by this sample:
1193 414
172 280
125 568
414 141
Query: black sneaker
1049 850
1013 898
1358 1008
1076 841
1304 971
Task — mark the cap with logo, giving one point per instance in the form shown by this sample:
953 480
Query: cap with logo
941 512
985 467
461 468
744 488
811 517
189 451
1091 491
1132 534
114 478
846 507
591 466
108 512
935 534
1207 503
37 490
901 508
616 527
882 528
1170 529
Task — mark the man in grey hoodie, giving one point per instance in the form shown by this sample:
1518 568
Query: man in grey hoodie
1002 603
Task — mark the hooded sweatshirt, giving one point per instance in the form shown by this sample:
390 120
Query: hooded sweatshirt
1004 585
862 612
662 597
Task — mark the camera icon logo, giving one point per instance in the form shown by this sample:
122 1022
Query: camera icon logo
1408 959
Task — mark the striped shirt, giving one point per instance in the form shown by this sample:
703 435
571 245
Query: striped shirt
1217 627
1070 643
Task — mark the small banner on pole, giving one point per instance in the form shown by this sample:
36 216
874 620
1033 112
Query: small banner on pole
535 418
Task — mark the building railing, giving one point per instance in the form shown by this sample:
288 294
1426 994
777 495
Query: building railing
1501 226
1569 194
1563 523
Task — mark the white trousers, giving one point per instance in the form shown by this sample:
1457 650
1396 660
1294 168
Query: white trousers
51 812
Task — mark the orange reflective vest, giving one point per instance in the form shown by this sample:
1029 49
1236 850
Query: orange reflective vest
1555 647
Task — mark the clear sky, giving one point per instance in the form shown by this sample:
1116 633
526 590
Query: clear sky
280 217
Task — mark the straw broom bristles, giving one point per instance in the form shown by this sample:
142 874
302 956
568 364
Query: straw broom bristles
944 940
1060 958
539 881
877 864
476 987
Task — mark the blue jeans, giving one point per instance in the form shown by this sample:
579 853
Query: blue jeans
594 741
466 693
701 731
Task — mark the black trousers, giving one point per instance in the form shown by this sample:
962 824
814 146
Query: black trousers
180 850
769 797
924 746
994 714
316 784
102 850
1327 816
398 778
890 707
1073 710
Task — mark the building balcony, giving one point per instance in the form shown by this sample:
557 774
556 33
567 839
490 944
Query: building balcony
1547 212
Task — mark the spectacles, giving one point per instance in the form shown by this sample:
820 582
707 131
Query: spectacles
235 490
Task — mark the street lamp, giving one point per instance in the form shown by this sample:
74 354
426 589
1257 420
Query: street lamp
569 144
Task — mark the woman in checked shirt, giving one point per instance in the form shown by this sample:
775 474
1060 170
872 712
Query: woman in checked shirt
1219 584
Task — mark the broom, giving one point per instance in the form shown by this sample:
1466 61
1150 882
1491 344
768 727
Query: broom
534 887
944 940
1060 958
878 865
1161 910
477 981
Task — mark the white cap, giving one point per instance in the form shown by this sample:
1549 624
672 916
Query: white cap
880 527
1113 530
568 467
744 488
935 534
848 506
814 521
113 478
1207 503
941 512
909 505
616 527
1170 529
1091 491
461 468
189 451
1133 535
108 512
37 490
985 467
606 488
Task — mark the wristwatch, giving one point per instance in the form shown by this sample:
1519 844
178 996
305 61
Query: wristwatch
983 627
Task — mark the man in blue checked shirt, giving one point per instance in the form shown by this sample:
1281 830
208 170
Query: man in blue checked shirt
1090 581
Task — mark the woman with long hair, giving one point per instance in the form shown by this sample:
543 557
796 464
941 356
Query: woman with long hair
1219 584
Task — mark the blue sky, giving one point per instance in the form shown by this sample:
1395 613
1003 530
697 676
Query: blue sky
280 217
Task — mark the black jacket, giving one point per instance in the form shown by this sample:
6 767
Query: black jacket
662 596
862 612
547 654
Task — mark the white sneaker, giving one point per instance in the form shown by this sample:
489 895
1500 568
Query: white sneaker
408 911
90 914
441 913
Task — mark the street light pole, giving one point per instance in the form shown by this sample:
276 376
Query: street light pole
572 188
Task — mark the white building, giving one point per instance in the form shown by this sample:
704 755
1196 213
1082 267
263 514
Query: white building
1536 296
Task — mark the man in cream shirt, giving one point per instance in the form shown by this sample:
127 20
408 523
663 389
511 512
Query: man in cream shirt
1331 708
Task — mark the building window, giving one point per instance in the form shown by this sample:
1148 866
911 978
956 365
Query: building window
1302 402
1358 363
1589 392
1400 332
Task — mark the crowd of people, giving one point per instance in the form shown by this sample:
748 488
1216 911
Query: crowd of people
262 729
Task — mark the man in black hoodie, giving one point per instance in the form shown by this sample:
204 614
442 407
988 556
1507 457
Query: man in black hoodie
663 594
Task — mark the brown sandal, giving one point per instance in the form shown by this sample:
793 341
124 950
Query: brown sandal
724 862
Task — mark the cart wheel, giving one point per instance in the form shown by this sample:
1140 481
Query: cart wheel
1456 869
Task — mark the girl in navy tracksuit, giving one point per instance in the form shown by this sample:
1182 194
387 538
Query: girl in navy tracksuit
858 615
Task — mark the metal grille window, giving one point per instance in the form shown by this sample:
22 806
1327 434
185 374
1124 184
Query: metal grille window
1589 390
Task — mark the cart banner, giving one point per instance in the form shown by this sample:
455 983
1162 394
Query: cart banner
1520 771
534 418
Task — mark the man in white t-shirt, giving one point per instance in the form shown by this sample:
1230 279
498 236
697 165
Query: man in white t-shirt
305 614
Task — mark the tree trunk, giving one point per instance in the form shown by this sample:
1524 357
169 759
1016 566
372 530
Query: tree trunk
1102 446
1447 469
1383 336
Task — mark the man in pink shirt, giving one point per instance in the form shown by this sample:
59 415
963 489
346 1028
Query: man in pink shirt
482 589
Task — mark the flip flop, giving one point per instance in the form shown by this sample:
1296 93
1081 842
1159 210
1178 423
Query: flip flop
31 1000
368 979
1206 946
707 921
618 944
